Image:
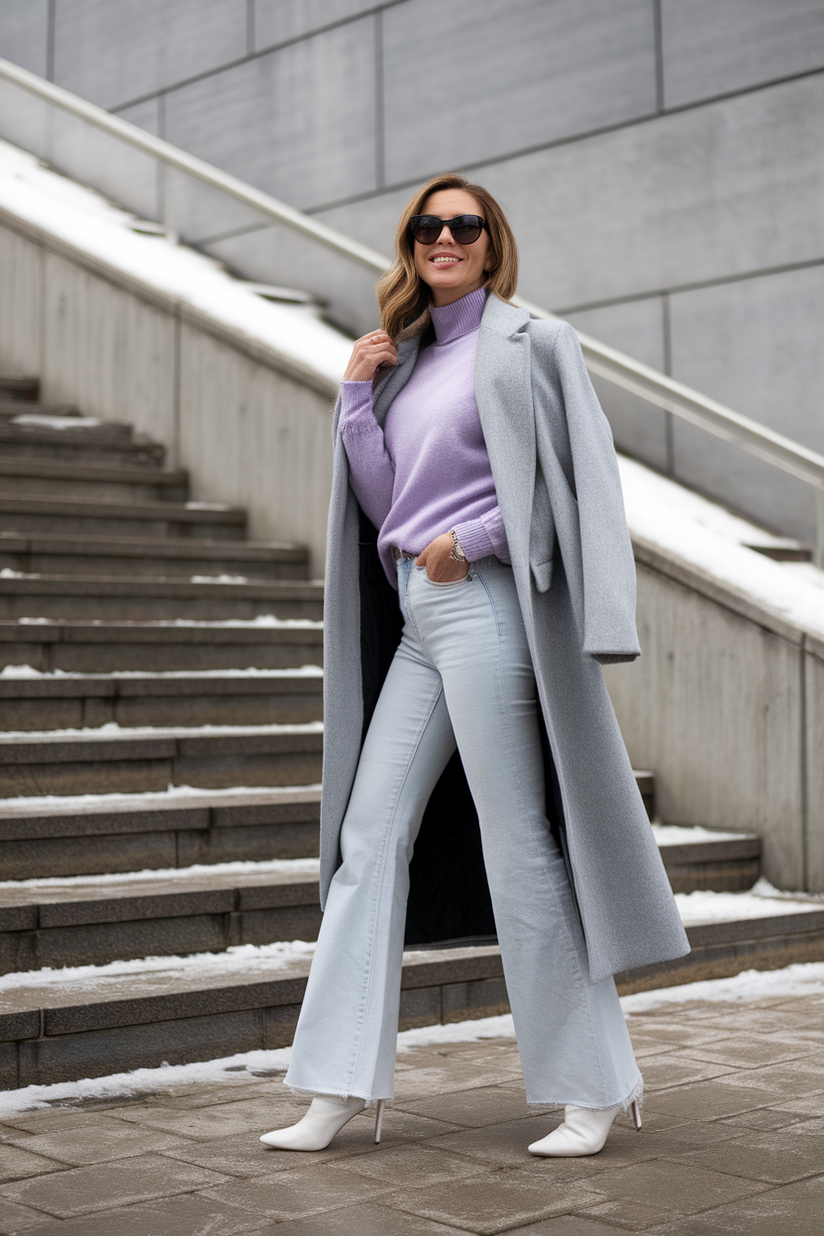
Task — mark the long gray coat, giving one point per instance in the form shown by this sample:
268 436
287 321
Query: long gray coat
557 482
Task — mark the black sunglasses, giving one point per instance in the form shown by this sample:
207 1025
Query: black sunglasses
465 229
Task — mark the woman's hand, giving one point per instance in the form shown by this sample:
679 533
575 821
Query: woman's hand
440 566
370 353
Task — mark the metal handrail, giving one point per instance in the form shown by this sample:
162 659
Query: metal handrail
198 169
605 362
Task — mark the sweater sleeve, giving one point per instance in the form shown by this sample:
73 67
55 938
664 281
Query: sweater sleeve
483 537
371 471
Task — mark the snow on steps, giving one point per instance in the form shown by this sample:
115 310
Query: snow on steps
210 697
149 557
77 647
98 919
77 598
151 758
106 833
99 1020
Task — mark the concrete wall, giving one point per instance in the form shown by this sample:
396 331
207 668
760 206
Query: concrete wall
662 162
248 431
727 706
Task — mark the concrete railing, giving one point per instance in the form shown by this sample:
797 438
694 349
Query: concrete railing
190 195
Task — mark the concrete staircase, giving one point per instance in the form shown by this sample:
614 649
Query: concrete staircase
147 647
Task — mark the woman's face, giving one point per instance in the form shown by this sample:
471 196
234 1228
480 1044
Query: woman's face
451 270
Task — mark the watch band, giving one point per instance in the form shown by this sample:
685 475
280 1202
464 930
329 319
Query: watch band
456 552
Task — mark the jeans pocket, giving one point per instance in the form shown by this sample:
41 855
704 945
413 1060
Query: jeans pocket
449 583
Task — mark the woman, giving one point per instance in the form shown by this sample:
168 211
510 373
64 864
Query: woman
475 474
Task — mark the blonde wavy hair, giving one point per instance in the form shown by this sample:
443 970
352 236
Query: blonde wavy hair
403 297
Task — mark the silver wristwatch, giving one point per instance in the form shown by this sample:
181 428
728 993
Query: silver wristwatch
456 552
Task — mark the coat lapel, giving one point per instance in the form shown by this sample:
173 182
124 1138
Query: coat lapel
397 378
503 393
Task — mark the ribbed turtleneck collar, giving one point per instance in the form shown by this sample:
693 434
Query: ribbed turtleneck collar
459 318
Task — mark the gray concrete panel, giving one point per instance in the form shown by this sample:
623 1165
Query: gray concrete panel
479 78
24 33
90 155
716 191
754 345
713 706
275 21
637 329
814 692
24 120
372 221
113 53
299 123
21 304
145 115
274 255
724 472
713 47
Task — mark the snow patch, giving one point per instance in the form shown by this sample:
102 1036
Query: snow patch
148 798
762 901
84 219
8 573
793 981
219 579
708 537
270 866
803 979
680 834
250 671
111 729
246 957
56 422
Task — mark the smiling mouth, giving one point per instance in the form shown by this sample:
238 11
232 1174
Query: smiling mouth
443 259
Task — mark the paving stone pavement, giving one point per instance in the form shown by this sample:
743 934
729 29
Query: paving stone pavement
733 1141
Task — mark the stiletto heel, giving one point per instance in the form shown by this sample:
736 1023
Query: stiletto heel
378 1121
636 1115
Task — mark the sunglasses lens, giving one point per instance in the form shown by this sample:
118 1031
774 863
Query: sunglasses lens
426 229
465 229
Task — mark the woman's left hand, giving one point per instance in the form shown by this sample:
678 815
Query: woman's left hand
440 566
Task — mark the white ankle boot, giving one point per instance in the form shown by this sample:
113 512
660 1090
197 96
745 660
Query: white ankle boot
326 1116
583 1132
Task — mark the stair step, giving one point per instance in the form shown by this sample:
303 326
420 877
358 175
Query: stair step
74 598
792 933
91 762
88 1027
83 517
16 386
55 478
699 858
83 443
101 833
77 924
221 698
88 648
149 557
203 1008
162 913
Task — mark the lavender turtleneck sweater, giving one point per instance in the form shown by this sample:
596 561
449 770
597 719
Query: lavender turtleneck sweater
427 470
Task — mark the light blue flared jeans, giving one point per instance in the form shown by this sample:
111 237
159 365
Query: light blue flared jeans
462 674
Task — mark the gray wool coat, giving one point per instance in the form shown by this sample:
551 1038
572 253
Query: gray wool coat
556 477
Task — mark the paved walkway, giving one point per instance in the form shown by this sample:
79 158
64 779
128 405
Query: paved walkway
732 1143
